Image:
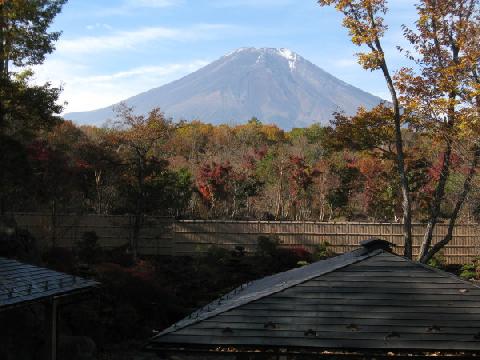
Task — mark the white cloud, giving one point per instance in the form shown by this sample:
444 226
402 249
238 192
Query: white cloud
98 26
128 7
347 62
152 3
146 72
252 3
84 91
127 40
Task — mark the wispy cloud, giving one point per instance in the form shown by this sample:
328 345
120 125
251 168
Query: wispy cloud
252 3
127 40
84 91
142 72
98 26
152 3
128 7
346 62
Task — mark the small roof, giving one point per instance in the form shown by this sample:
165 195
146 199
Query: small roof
20 283
368 299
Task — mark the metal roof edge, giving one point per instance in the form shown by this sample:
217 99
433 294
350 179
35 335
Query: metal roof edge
18 287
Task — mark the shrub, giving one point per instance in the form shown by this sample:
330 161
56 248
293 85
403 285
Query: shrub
267 246
472 270
88 249
138 299
17 243
301 253
60 259
322 251
468 271
277 258
217 255
120 255
438 261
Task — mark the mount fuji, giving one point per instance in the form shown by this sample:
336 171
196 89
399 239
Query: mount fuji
275 85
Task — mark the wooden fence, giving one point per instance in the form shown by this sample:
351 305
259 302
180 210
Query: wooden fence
195 236
112 231
165 236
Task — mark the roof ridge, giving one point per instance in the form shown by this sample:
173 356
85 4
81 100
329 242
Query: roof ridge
350 258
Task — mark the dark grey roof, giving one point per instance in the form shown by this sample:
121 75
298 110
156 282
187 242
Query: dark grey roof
363 300
21 283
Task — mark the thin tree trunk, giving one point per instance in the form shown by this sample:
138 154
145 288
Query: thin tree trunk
321 215
139 208
137 224
467 185
279 210
406 201
445 171
99 198
437 201
3 65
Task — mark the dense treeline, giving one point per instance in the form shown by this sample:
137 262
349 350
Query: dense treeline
151 165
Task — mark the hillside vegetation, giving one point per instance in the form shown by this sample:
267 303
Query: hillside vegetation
150 165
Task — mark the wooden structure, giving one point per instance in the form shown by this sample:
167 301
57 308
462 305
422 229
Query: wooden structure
113 231
194 236
166 236
22 284
366 303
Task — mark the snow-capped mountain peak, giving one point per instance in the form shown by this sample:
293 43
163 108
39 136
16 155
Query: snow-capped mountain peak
274 85
290 56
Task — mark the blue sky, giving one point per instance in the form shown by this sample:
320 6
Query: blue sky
113 49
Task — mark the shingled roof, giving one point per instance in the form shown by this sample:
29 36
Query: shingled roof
22 283
368 299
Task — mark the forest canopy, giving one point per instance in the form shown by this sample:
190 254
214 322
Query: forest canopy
251 171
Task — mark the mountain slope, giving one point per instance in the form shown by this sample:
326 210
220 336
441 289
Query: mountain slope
275 85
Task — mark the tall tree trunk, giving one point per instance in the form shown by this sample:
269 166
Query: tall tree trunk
139 208
137 225
3 65
279 210
427 252
376 47
467 185
321 215
98 190
436 204
445 171
400 160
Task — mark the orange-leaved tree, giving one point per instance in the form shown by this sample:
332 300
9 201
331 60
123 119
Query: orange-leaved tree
139 142
443 91
365 22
